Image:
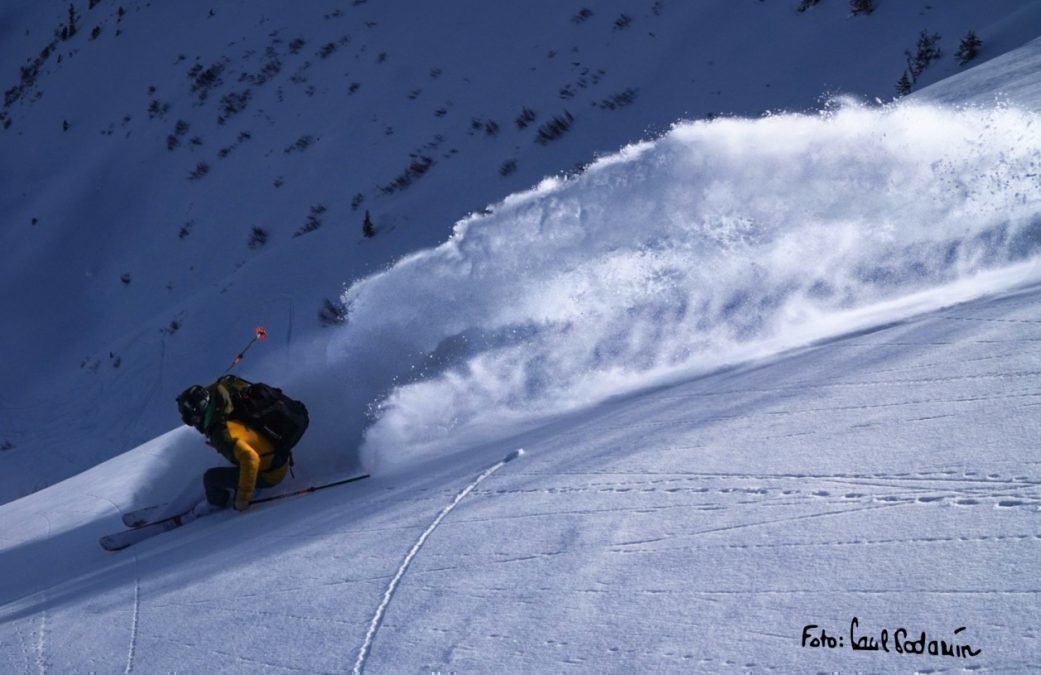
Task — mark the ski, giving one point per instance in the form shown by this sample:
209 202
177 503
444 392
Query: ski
145 516
149 515
145 529
117 541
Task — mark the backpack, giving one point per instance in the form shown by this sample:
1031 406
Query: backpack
269 412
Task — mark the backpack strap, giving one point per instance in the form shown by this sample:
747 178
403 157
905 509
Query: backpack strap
226 404
207 418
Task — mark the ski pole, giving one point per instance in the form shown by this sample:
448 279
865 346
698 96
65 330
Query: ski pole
308 490
261 334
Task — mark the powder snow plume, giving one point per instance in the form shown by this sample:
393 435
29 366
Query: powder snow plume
720 241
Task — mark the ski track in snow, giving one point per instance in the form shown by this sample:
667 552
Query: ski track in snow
778 490
41 634
134 621
31 643
136 613
41 641
377 618
844 493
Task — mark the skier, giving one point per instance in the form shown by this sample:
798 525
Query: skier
253 425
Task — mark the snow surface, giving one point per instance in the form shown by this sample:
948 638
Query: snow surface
766 374
889 475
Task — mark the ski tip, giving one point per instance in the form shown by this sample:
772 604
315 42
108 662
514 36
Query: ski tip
513 455
109 544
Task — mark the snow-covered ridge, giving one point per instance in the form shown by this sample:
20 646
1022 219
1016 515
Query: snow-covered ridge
721 241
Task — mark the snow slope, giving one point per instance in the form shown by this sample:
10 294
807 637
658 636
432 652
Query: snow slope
125 279
826 411
888 475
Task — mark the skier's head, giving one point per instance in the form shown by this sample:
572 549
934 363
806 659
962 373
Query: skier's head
192 404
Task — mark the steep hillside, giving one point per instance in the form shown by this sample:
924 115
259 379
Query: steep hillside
176 174
776 380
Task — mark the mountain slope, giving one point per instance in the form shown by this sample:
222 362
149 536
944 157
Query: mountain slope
884 475
139 272
875 461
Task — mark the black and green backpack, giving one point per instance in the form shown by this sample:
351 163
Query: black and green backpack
265 409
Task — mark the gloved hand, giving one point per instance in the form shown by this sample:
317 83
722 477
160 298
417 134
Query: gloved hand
241 504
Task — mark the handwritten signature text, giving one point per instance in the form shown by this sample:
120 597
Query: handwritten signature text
900 641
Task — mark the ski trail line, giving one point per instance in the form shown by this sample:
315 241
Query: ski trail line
136 614
41 641
41 637
134 621
377 618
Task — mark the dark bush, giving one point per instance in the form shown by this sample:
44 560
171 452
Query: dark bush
555 128
526 117
301 144
903 85
583 15
619 100
368 228
201 169
862 6
232 104
313 222
205 79
416 169
257 237
332 313
926 51
969 48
